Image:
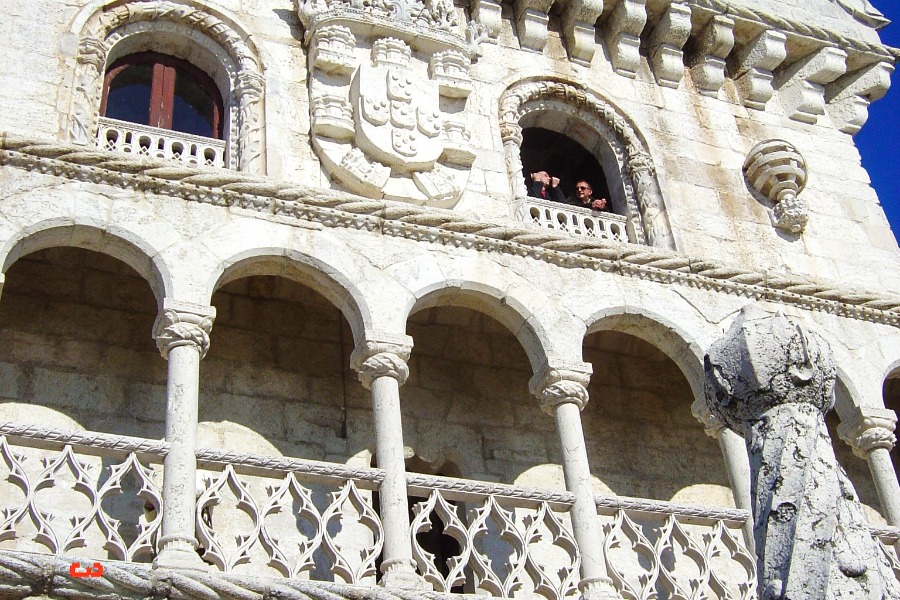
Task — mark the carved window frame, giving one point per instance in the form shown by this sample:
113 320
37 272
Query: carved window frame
108 31
634 176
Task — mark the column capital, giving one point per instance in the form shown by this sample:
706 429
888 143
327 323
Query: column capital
712 424
384 355
868 429
183 324
561 384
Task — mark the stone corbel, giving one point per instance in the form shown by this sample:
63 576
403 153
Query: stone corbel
578 29
560 384
752 66
777 171
183 324
849 96
666 45
623 34
868 429
383 355
711 48
801 85
531 24
487 12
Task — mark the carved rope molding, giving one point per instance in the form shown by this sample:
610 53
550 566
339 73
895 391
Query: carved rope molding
790 26
338 209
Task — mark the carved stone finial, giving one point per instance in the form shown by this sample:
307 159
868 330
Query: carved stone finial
775 169
868 429
183 324
385 357
560 385
772 381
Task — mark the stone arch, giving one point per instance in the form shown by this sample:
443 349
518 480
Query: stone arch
495 303
660 332
106 30
133 250
624 154
326 279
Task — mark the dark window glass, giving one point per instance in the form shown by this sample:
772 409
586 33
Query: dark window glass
128 98
193 110
162 91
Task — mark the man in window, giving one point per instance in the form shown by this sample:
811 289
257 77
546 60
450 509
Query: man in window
546 187
584 196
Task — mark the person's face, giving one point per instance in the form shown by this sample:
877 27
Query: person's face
583 191
544 177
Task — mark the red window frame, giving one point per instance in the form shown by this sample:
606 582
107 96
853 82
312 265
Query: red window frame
162 87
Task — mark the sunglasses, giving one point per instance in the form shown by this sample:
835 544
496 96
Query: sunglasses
582 187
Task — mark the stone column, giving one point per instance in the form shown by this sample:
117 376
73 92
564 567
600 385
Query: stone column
772 381
382 369
736 463
86 90
870 432
564 394
251 145
182 336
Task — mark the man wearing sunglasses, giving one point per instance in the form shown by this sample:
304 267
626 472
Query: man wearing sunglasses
584 196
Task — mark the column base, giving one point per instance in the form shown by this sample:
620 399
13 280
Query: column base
600 588
401 574
180 553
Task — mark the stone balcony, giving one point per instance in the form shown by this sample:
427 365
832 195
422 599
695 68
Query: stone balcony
574 220
142 140
96 498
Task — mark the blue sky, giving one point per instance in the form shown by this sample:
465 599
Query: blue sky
878 141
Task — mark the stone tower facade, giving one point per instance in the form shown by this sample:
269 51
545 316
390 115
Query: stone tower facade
287 312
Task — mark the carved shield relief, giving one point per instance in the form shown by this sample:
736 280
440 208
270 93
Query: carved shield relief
388 120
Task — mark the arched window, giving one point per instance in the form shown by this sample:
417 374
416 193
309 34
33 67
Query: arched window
161 91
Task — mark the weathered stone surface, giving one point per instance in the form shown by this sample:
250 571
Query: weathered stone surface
772 381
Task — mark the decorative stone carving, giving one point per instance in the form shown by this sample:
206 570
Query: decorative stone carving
183 324
332 49
869 428
378 123
772 381
668 39
561 385
864 12
752 66
850 95
801 85
531 23
623 34
487 14
710 49
775 169
88 72
386 357
578 20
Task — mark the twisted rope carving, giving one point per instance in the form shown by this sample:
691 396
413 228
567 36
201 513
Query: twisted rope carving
339 209
105 441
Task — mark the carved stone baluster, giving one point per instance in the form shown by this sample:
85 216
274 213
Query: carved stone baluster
623 34
736 463
801 85
668 39
752 66
870 432
182 336
708 55
849 96
563 394
772 381
382 369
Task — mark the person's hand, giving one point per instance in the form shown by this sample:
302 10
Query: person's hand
554 181
599 204
536 177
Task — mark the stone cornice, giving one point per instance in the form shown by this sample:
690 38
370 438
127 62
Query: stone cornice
286 203
792 27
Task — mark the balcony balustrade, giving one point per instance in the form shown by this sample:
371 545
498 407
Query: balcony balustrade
575 220
143 140
97 496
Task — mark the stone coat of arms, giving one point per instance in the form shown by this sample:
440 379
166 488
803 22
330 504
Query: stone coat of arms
388 89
